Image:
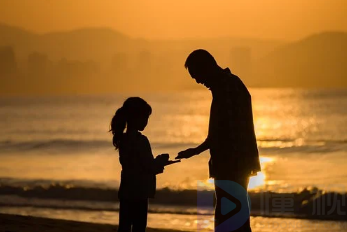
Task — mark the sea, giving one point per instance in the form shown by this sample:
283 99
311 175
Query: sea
57 159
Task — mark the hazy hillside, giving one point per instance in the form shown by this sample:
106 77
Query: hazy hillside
99 60
317 61
82 44
96 43
103 60
23 41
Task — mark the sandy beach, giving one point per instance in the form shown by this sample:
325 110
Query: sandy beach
16 223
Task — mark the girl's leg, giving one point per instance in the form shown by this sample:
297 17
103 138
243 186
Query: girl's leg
125 207
140 216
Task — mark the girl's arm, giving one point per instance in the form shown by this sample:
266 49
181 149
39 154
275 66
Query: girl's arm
148 163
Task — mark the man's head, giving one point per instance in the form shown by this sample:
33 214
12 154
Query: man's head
202 67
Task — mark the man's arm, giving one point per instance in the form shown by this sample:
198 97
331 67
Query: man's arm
194 151
202 147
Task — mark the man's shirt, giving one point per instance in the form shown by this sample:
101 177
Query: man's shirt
231 136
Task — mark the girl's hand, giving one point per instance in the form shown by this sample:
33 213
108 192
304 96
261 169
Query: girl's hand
162 159
159 162
159 169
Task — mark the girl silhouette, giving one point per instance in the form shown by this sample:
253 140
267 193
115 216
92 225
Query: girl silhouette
139 168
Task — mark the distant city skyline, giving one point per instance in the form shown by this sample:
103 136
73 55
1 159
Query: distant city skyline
79 46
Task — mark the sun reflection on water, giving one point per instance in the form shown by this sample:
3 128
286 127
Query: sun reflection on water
260 179
255 182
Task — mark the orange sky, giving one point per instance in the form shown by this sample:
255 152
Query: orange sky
278 19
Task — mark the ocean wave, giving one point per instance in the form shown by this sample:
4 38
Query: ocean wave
286 145
72 144
56 144
308 203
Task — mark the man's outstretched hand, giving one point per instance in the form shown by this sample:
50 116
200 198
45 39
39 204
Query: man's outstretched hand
187 153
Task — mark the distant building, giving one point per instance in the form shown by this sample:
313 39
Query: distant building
143 75
37 64
8 64
120 64
144 62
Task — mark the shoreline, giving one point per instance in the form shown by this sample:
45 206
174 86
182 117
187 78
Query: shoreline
18 223
253 213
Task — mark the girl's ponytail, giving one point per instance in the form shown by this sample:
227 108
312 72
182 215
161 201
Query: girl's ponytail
118 124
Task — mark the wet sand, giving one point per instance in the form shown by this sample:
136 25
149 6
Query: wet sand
16 223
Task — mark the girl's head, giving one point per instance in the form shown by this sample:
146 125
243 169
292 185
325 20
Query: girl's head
133 114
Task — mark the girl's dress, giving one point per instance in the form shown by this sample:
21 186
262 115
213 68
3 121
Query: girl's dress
138 181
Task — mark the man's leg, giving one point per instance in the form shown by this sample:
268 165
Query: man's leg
243 181
218 216
219 194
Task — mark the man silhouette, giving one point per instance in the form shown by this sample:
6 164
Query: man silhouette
231 138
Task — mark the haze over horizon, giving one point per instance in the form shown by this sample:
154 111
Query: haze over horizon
268 19
142 45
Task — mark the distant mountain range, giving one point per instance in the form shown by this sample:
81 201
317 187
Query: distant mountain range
316 61
98 43
91 43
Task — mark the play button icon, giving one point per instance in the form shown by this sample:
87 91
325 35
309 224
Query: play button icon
227 206
232 206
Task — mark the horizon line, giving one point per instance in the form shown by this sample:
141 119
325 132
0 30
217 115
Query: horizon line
162 39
